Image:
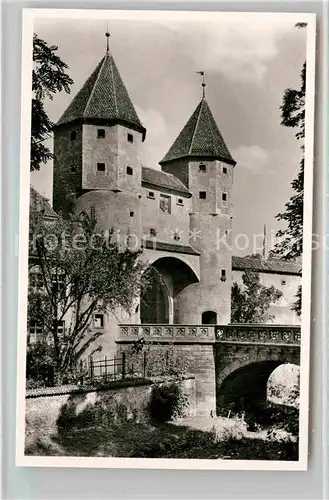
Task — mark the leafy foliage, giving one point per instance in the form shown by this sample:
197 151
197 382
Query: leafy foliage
290 243
167 402
48 78
81 271
250 303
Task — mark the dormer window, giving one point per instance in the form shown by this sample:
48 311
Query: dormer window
130 138
100 167
129 171
202 167
100 133
73 135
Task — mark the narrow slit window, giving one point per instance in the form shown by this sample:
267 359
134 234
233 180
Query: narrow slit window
100 167
224 170
223 274
130 138
129 171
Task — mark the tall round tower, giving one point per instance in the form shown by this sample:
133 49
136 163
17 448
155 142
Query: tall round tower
97 144
200 158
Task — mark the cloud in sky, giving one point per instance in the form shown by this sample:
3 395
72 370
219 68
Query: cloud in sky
239 50
252 158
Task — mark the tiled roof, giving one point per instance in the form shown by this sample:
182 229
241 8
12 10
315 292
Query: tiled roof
170 247
266 266
40 203
103 97
161 179
200 138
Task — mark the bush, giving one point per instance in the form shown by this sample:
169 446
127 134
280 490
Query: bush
167 402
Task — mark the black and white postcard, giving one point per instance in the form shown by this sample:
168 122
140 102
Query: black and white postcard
165 239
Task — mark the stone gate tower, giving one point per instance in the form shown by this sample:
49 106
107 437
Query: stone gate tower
97 152
200 158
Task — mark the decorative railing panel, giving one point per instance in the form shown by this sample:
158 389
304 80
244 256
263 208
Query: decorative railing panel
260 334
245 334
168 331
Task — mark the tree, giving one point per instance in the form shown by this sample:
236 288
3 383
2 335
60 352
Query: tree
290 244
48 78
79 271
251 302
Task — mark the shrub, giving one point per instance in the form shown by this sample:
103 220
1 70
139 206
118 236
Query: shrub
167 402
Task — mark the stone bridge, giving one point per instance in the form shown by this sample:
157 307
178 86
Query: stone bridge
231 363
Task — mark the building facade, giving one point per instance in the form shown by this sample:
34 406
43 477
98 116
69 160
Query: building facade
178 213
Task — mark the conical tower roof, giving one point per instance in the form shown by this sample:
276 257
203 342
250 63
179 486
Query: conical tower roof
103 98
200 138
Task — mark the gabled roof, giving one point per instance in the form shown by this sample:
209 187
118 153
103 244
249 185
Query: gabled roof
200 137
277 266
161 179
104 98
41 204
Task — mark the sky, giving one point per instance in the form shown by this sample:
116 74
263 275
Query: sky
247 65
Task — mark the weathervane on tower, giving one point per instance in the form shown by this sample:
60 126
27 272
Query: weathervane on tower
202 84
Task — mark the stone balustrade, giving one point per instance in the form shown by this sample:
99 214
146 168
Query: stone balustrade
259 334
244 334
168 331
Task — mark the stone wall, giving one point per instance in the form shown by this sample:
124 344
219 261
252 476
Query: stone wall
191 357
50 410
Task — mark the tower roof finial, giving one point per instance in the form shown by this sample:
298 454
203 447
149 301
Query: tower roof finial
203 85
107 34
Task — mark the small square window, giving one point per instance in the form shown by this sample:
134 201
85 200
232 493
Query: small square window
180 201
202 167
100 133
153 232
132 214
223 274
202 195
224 170
99 320
101 167
151 194
129 171
130 138
61 328
73 135
72 169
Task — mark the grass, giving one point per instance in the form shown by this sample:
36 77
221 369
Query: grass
135 440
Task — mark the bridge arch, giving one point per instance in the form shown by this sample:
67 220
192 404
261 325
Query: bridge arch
242 384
